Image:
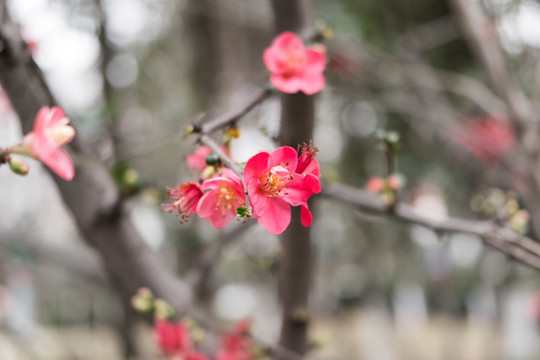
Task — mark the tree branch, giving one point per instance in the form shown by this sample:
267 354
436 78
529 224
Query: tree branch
518 246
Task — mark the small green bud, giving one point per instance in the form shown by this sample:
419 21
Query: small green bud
212 159
163 310
208 172
242 212
18 166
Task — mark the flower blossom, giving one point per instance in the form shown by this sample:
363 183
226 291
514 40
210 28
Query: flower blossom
225 195
293 66
197 159
273 182
488 138
186 198
236 345
172 338
51 130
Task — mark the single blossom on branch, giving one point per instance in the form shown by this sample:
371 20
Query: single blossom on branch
278 180
295 67
51 130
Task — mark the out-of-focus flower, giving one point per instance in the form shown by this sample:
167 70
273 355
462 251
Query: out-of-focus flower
185 199
488 138
197 159
236 345
395 182
293 66
273 184
225 195
172 338
51 130
375 185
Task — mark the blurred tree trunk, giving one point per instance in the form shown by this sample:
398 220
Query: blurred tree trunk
296 127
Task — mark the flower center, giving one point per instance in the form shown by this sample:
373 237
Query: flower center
296 59
275 180
227 199
61 133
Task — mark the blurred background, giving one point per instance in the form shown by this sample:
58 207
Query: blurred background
133 74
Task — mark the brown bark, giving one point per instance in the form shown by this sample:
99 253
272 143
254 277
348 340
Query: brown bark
297 121
92 195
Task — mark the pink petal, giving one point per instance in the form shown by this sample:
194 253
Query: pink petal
277 217
207 204
316 62
297 191
215 182
42 120
313 182
259 202
305 215
271 60
255 167
287 40
59 161
284 156
312 168
55 115
312 83
286 84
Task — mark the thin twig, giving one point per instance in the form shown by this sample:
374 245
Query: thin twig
518 246
220 122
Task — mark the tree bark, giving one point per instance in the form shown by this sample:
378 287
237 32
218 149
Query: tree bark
92 195
297 122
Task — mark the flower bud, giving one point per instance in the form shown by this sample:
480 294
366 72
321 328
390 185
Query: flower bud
163 310
208 172
18 166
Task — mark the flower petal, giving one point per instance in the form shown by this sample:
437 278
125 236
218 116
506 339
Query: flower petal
255 167
285 156
287 84
313 182
277 217
305 215
297 191
59 161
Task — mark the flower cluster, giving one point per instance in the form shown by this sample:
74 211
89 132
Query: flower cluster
51 130
178 339
273 181
488 138
386 188
295 67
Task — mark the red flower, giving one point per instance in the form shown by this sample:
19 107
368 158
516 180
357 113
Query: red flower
273 184
172 338
294 66
186 198
488 138
50 131
236 346
375 185
197 159
219 204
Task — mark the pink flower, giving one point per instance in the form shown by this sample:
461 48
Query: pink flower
375 185
50 131
294 66
488 138
308 167
172 338
395 182
186 198
236 345
225 195
197 159
273 184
